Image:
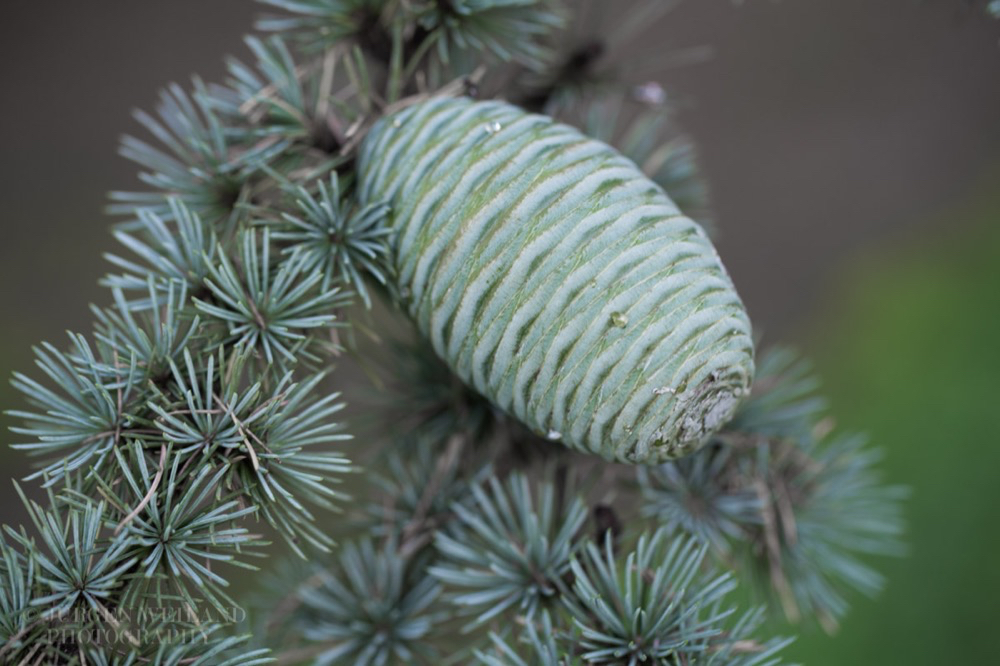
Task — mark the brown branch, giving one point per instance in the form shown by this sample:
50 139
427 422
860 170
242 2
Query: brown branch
149 494
773 548
242 430
414 527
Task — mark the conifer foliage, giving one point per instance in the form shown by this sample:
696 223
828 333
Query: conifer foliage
193 433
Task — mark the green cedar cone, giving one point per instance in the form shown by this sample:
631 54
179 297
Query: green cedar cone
557 280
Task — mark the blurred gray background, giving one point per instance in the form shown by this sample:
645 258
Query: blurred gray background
823 126
838 137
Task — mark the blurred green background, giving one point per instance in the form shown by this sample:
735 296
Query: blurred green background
908 348
853 151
